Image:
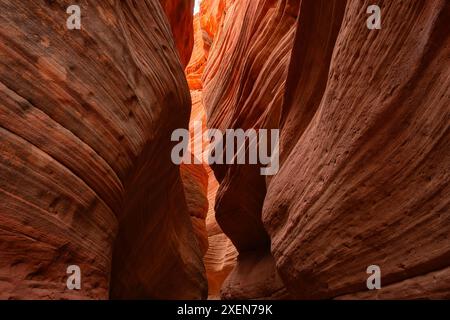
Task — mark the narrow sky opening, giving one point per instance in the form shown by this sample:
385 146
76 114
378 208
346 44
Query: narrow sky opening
197 6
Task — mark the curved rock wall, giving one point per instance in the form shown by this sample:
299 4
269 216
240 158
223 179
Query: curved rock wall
220 254
369 143
84 114
86 178
364 127
211 17
179 14
256 38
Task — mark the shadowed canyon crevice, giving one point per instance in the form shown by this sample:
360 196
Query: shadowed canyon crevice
87 179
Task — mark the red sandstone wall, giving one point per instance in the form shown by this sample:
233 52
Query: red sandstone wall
86 176
364 134
220 254
85 124
179 14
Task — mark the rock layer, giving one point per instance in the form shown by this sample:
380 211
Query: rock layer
211 17
372 182
86 177
220 256
85 120
179 14
364 127
256 38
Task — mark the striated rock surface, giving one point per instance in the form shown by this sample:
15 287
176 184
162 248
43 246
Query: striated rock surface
85 120
371 156
434 285
244 78
220 256
364 123
256 38
212 13
195 176
86 178
197 64
179 14
195 183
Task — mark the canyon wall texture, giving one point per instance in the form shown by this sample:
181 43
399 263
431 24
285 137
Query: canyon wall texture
372 182
85 119
220 254
243 88
179 14
87 179
364 123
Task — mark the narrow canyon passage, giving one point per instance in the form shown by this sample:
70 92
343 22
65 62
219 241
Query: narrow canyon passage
88 178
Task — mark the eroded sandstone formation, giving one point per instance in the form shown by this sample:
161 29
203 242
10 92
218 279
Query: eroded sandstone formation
371 154
86 176
364 151
220 256
256 39
196 67
85 119
179 14
212 14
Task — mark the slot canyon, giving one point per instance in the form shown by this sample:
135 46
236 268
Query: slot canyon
87 179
